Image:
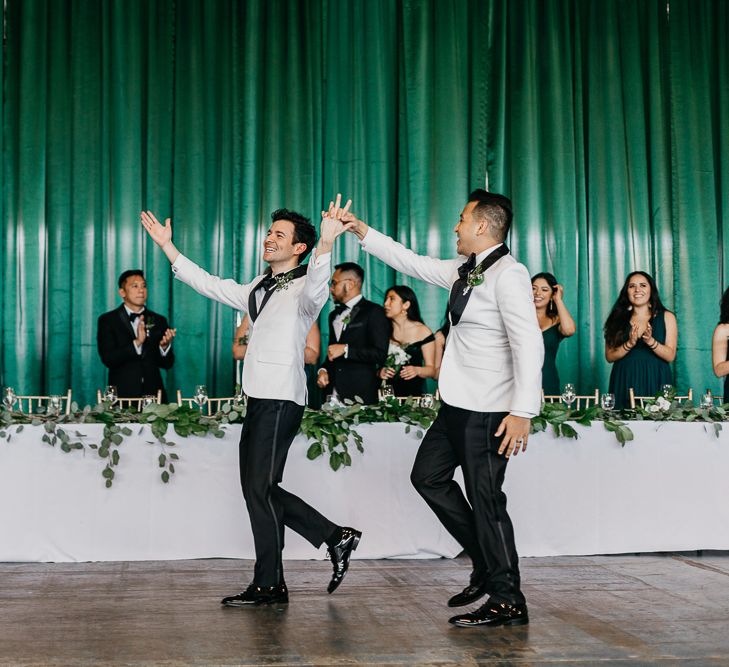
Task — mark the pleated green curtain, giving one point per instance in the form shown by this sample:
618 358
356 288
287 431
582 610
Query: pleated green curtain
605 121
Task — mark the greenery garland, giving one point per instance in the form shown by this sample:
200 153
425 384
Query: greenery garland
330 429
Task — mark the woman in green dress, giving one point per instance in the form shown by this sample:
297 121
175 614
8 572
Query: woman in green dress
640 340
720 345
556 324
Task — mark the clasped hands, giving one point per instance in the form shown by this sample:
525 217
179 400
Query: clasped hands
164 342
646 335
406 373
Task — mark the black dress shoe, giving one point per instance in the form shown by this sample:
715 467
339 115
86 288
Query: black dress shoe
340 554
469 594
493 614
254 596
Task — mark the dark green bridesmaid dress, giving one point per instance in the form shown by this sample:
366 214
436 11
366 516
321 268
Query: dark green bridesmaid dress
641 369
550 377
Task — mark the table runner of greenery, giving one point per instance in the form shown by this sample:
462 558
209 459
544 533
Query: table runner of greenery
331 430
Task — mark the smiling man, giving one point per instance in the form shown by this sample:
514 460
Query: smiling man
490 385
134 343
281 304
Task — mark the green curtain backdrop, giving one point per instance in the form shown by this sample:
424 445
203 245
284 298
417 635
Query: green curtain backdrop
605 121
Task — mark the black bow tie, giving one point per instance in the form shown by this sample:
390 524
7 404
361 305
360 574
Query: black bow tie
267 283
134 316
340 308
467 266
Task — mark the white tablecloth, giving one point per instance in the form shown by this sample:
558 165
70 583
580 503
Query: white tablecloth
667 490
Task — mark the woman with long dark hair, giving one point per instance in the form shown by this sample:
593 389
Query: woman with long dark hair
410 339
640 340
556 324
719 346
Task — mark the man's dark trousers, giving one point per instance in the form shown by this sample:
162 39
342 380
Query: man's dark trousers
269 428
481 524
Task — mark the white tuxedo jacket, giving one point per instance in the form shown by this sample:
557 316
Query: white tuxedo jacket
493 356
274 365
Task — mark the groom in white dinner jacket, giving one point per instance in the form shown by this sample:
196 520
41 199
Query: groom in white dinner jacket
281 305
490 386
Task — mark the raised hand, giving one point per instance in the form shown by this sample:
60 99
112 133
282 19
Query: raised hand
351 221
161 235
558 293
332 225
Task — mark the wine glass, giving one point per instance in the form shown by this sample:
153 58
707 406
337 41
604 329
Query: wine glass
607 401
427 401
110 394
568 394
201 396
147 400
667 391
9 398
54 404
707 400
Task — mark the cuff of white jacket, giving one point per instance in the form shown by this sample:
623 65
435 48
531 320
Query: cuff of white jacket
319 260
519 413
180 262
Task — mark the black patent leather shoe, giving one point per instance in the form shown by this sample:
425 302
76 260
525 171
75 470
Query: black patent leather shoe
469 594
340 555
493 614
255 596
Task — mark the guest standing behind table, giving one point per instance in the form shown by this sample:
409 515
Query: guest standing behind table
640 340
134 343
556 324
410 334
358 336
719 346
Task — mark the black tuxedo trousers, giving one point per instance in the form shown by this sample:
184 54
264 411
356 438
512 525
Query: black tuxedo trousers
269 428
481 524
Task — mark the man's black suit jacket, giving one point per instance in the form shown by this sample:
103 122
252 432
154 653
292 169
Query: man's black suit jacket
368 335
133 374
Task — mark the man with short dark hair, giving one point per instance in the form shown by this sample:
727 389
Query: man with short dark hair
134 342
359 334
490 386
281 305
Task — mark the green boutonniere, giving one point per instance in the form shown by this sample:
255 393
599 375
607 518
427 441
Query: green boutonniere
346 319
474 278
283 280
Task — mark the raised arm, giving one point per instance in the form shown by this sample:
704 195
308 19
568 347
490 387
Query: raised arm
229 292
435 271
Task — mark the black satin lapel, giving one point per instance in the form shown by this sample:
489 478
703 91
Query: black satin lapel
355 310
459 296
125 319
252 307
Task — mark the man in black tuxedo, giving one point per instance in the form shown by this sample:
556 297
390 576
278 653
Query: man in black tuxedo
359 335
133 342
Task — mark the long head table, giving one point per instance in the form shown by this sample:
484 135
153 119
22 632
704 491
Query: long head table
666 490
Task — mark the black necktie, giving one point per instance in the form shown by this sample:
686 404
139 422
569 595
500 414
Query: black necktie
460 295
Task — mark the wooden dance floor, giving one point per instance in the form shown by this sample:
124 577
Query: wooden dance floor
634 609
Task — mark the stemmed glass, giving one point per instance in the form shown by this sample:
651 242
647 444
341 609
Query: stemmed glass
148 400
568 394
707 400
201 396
9 398
54 404
110 395
667 391
607 401
387 391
